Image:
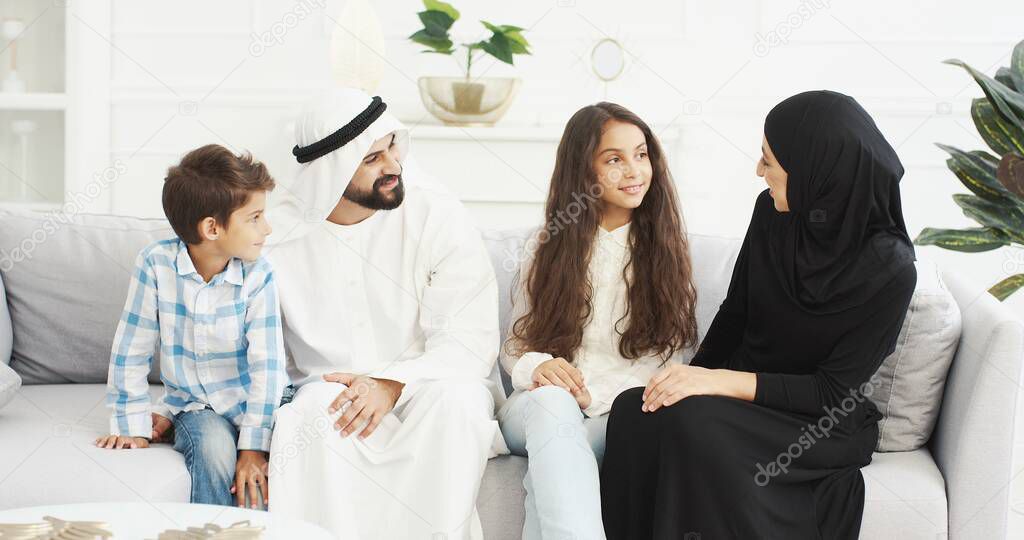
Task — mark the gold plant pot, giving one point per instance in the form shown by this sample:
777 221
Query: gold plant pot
458 101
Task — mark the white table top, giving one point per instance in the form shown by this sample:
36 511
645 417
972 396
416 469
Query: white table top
136 520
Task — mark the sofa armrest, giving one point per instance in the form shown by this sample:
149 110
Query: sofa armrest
973 439
6 334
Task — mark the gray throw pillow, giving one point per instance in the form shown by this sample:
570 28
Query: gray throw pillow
67 280
913 377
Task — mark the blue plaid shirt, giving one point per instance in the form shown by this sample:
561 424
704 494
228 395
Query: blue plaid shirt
220 345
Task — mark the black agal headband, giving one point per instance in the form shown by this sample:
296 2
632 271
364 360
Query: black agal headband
341 137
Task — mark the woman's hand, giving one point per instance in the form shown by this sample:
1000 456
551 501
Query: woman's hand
678 381
559 372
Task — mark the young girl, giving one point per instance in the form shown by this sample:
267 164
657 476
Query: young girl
603 299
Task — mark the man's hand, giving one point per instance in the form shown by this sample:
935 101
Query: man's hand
251 476
368 401
115 441
560 373
162 429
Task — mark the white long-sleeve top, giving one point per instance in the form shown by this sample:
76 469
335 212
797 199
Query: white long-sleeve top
605 372
407 294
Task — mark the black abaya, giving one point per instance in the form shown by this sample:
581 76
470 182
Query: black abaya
813 321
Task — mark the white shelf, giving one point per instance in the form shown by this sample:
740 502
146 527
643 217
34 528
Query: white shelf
33 101
504 133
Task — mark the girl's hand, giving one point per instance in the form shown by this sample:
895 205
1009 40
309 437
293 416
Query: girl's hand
560 373
583 399
678 381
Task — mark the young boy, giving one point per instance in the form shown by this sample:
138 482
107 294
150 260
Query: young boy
209 301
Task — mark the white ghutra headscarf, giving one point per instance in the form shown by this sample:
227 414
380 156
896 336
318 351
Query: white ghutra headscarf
336 116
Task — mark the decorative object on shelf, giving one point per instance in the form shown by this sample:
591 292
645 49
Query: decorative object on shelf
996 181
357 47
12 28
607 61
464 100
23 128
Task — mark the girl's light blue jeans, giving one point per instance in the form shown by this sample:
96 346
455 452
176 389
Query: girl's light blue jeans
563 495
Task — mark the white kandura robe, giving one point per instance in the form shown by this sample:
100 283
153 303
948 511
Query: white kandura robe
409 295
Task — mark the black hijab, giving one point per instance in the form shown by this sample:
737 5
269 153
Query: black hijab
844 237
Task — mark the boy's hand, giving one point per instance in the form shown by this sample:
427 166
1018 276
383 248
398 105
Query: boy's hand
116 441
369 401
161 429
251 475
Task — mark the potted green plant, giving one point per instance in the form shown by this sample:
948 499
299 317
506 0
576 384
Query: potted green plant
996 179
465 100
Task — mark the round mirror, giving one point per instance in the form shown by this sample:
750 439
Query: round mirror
607 59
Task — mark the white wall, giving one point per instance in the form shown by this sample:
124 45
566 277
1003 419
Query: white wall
184 74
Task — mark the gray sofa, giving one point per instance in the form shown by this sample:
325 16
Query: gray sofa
957 485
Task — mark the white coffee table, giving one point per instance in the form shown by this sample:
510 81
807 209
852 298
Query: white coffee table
135 520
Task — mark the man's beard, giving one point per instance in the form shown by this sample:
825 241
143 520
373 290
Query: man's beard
374 198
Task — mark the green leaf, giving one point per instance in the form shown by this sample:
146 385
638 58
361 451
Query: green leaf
1001 136
499 47
964 240
1017 59
441 45
1006 287
517 43
1011 173
1008 103
436 23
1010 78
437 5
1008 219
977 171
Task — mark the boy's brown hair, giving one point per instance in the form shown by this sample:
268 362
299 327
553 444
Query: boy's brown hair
212 182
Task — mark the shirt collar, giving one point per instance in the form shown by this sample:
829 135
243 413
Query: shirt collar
183 263
620 235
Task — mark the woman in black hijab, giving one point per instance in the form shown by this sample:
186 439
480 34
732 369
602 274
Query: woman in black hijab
763 435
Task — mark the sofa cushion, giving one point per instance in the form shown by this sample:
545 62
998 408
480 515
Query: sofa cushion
904 497
48 456
913 377
66 280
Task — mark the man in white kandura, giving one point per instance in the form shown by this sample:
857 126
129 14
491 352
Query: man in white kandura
390 312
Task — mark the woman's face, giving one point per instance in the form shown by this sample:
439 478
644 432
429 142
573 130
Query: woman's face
622 165
774 175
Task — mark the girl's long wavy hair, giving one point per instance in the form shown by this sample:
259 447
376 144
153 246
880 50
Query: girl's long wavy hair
659 278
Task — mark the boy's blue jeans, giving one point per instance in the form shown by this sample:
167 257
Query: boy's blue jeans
209 443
